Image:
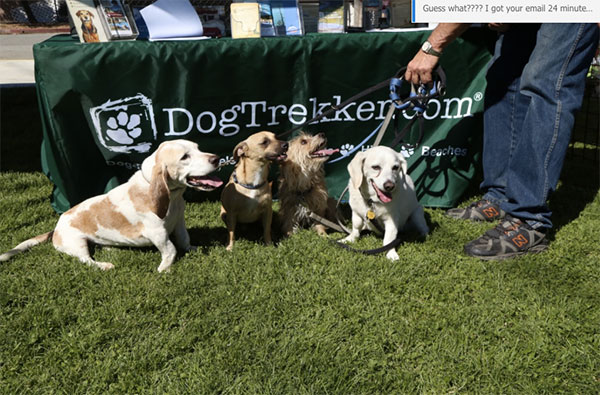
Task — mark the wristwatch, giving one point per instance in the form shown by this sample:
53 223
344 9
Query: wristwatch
428 49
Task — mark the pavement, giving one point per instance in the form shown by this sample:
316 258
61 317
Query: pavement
16 57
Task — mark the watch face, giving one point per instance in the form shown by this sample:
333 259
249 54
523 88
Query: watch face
428 49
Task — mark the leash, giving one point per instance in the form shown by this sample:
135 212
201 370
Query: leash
417 98
338 107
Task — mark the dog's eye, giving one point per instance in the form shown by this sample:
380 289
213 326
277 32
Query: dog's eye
265 142
185 156
376 167
303 142
395 168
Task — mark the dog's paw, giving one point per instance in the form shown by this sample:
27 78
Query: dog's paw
392 255
105 265
348 239
162 269
124 128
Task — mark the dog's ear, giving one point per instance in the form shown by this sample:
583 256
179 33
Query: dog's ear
156 174
240 150
159 190
355 168
403 163
148 165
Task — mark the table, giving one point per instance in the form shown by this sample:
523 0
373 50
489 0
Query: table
106 106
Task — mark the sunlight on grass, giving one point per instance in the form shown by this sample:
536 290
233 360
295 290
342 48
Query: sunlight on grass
303 316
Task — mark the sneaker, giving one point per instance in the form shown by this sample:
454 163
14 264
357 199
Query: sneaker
512 237
482 210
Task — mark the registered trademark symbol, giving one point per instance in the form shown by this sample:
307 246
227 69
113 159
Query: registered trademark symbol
478 96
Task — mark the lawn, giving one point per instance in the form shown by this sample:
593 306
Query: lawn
303 316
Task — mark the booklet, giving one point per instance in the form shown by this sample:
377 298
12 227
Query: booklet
287 18
118 22
172 20
331 16
245 20
267 27
86 20
310 16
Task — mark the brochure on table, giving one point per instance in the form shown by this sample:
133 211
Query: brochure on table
286 17
86 20
245 20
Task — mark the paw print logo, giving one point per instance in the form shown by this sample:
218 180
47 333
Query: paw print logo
346 149
124 128
125 125
407 152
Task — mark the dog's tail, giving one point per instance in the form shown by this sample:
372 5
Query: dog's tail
26 245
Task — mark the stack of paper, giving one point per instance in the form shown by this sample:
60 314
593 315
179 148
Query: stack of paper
172 20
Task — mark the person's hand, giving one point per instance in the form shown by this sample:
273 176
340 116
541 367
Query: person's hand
420 69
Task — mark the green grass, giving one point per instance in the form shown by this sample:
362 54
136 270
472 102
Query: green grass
303 316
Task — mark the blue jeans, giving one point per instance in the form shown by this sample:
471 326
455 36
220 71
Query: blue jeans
536 81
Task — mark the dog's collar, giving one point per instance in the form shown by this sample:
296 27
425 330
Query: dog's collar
247 186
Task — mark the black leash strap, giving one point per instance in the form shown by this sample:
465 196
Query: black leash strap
393 244
338 107
399 136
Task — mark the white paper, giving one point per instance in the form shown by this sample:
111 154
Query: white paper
172 19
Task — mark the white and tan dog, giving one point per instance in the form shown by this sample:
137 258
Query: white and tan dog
143 211
381 190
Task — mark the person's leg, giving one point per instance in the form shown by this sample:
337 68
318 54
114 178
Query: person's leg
504 109
502 117
553 83
550 90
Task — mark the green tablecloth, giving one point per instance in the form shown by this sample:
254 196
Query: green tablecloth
105 106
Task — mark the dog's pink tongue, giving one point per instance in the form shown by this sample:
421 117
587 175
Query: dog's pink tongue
208 180
326 152
384 197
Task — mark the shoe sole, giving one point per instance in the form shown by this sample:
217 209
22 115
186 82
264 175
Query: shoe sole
475 219
533 250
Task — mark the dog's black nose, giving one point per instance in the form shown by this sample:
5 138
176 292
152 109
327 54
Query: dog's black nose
214 160
389 186
322 135
285 145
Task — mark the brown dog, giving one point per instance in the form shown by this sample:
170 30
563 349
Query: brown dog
302 183
247 196
89 31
